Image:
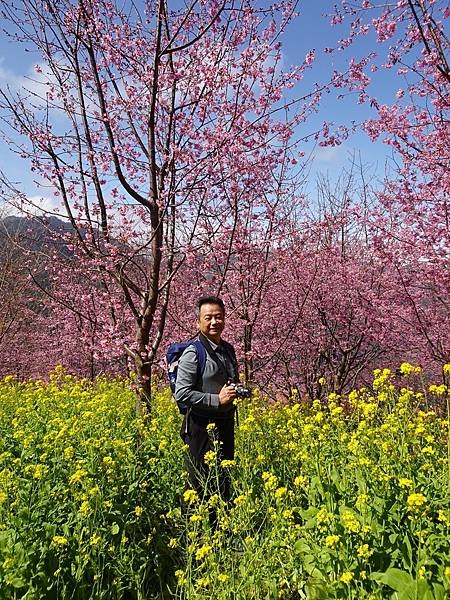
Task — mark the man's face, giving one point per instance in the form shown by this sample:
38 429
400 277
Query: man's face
211 321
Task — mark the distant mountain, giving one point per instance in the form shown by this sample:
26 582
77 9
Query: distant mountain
32 227
33 233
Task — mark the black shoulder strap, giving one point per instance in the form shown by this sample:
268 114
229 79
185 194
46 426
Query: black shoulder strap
232 353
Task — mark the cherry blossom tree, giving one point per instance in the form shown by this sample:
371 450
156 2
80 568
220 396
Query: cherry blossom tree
411 227
152 128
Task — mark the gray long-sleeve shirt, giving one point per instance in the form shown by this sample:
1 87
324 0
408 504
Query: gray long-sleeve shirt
203 394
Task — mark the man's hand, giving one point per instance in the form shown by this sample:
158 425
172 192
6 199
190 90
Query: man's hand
227 394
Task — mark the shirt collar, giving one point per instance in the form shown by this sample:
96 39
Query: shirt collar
213 345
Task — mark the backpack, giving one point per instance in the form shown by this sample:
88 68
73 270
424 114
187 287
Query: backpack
173 356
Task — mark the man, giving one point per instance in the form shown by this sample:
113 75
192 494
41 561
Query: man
209 398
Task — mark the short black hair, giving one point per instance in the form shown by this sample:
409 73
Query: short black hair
208 300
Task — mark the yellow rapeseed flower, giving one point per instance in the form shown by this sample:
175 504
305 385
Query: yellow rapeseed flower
323 517
95 539
332 541
350 522
77 476
240 499
405 482
195 518
37 471
319 416
280 492
108 462
439 390
85 508
59 540
190 496
364 552
443 517
300 481
270 480
415 502
210 457
346 577
408 369
214 500
181 577
361 500
203 551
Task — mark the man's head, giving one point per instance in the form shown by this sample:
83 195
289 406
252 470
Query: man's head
210 313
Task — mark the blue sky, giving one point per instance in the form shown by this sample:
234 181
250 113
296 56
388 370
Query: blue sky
313 30
310 30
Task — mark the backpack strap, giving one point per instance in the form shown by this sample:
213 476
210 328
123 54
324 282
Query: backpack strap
201 357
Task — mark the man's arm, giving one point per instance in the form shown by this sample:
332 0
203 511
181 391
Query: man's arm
187 383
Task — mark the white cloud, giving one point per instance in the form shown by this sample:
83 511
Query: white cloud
35 85
329 154
32 206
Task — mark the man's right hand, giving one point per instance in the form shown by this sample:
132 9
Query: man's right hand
227 394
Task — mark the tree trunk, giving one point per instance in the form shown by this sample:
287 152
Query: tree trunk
144 386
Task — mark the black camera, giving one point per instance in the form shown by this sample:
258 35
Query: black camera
241 390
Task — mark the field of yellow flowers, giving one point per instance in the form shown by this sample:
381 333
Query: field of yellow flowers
347 498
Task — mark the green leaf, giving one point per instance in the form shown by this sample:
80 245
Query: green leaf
360 479
5 539
301 547
438 591
316 589
393 538
115 529
312 570
309 513
310 524
17 582
417 591
316 484
397 579
405 585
